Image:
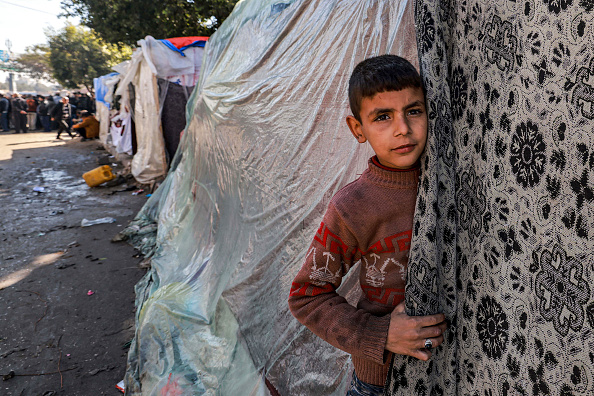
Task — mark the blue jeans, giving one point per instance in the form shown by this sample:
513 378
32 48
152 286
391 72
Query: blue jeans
4 121
45 121
360 388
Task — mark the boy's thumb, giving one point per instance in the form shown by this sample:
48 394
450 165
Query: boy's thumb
400 307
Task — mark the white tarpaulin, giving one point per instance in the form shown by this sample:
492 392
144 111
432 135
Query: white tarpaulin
265 148
151 61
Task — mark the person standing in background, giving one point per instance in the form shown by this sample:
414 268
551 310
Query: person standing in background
19 113
4 108
43 113
31 112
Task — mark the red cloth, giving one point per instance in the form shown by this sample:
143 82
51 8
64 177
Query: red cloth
181 42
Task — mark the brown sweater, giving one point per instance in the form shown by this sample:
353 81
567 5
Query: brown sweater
369 222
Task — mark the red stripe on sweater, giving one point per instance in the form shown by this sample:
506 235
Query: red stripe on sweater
402 241
308 289
334 243
384 296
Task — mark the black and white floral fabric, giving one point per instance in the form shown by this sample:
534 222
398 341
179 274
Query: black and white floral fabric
503 235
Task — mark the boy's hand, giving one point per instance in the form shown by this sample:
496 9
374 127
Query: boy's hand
407 334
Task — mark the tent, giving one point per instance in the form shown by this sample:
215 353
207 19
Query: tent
265 148
503 227
154 87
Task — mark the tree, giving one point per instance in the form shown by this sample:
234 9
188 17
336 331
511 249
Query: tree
35 62
77 55
127 21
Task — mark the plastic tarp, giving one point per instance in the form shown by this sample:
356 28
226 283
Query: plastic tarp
104 88
151 61
265 148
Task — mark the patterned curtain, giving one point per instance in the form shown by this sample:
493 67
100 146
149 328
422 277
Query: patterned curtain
503 229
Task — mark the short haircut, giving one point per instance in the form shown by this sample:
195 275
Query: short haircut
380 74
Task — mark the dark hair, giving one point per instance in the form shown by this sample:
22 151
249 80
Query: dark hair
84 113
380 74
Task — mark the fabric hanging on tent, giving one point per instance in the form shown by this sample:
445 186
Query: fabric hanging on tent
102 88
121 133
503 236
265 147
173 113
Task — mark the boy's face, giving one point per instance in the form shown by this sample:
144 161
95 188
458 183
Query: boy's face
395 124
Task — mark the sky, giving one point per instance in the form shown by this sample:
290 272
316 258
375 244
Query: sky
23 22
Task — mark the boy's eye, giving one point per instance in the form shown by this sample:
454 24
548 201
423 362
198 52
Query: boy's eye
414 111
381 117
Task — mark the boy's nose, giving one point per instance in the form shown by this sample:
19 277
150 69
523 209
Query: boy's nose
400 126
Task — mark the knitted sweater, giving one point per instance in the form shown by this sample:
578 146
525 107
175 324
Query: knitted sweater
368 222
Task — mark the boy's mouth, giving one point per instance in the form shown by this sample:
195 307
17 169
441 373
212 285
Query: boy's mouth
405 148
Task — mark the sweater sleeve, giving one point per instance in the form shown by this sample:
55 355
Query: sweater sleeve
83 124
314 302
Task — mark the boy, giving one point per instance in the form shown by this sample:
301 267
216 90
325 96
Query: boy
369 221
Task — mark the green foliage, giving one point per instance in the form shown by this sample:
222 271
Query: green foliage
35 62
127 21
77 55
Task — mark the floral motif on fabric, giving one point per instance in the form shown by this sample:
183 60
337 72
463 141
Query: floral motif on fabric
527 154
562 290
500 44
471 205
492 327
427 30
459 92
582 96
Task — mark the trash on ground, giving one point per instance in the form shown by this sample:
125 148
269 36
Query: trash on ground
103 160
103 220
39 189
90 293
125 189
98 176
97 371
63 265
56 212
120 386
148 195
138 192
116 182
8 376
73 244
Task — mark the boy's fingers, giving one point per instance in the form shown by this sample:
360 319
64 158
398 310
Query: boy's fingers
429 320
421 354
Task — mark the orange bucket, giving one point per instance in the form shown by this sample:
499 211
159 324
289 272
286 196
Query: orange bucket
98 176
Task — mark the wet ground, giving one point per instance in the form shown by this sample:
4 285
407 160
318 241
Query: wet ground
66 291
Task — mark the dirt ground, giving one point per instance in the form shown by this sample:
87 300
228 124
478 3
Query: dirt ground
66 291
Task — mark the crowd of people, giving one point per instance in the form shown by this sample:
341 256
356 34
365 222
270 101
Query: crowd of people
63 113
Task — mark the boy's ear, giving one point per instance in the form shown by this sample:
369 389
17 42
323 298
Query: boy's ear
356 129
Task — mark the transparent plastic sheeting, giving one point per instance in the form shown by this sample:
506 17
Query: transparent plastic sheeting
265 148
150 61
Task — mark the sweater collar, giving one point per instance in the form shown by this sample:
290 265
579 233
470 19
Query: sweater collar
389 177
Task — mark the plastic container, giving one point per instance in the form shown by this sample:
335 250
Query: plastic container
98 176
